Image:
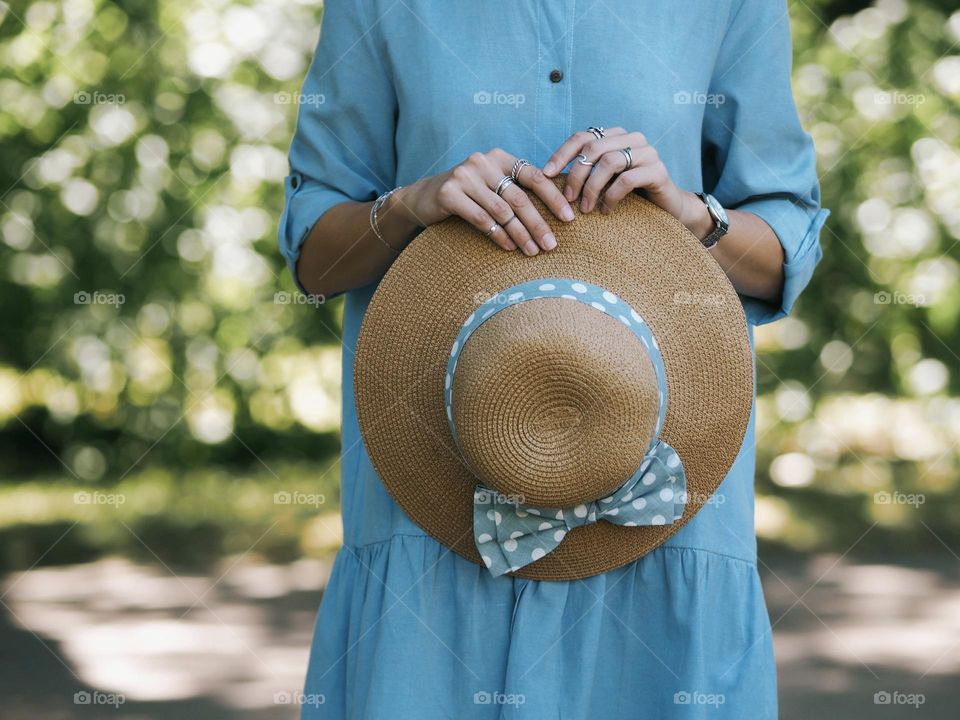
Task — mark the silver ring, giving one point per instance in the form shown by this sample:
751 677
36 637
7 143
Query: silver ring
597 132
510 221
517 167
492 230
505 182
628 154
582 159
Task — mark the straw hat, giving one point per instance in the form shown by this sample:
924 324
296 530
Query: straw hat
557 416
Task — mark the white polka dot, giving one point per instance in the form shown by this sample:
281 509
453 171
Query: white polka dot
645 343
666 494
613 511
456 346
446 382
516 534
537 553
486 561
580 511
449 414
533 511
544 526
607 500
470 319
509 545
609 297
559 515
630 523
484 538
593 516
514 568
602 308
559 535
579 288
515 297
658 520
682 498
640 503
488 313
625 320
673 460
655 343
627 497
648 479
495 516
635 316
569 297
548 286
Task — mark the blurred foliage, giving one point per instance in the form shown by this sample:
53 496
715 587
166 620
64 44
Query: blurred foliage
152 331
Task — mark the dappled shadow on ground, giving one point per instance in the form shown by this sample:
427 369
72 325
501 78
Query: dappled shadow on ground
234 643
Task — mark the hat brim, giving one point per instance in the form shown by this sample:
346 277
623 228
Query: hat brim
640 253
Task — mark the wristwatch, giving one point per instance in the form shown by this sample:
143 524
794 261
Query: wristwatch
719 216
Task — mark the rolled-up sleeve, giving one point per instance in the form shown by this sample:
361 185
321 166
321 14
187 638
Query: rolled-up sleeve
757 157
343 148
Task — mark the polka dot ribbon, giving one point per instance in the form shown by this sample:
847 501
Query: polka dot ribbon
510 534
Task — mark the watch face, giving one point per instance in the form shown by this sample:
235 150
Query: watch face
718 212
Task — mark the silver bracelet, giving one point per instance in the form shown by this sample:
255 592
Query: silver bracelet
374 224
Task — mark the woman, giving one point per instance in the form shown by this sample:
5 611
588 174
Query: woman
400 93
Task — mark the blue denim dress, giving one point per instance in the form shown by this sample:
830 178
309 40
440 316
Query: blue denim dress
403 89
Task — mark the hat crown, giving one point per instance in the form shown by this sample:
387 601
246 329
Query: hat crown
553 400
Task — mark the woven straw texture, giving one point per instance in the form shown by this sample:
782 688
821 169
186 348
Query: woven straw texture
640 253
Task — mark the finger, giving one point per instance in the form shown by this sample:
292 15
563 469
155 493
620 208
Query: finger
544 188
531 218
605 170
627 182
465 207
592 150
571 148
504 215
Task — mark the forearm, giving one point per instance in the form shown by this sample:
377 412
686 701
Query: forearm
750 253
343 253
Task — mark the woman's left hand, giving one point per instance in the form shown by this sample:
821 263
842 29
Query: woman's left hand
609 165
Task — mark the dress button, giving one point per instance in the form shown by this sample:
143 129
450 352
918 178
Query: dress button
556 75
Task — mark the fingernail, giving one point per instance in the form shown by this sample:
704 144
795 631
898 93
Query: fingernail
568 193
567 213
550 241
531 248
583 206
511 245
549 168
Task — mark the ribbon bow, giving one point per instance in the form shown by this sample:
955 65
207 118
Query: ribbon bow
509 534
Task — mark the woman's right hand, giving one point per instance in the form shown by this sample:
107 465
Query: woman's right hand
469 191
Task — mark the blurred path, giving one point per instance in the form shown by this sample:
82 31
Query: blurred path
234 644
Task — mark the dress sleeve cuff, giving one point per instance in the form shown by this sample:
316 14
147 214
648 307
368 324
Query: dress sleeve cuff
799 235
